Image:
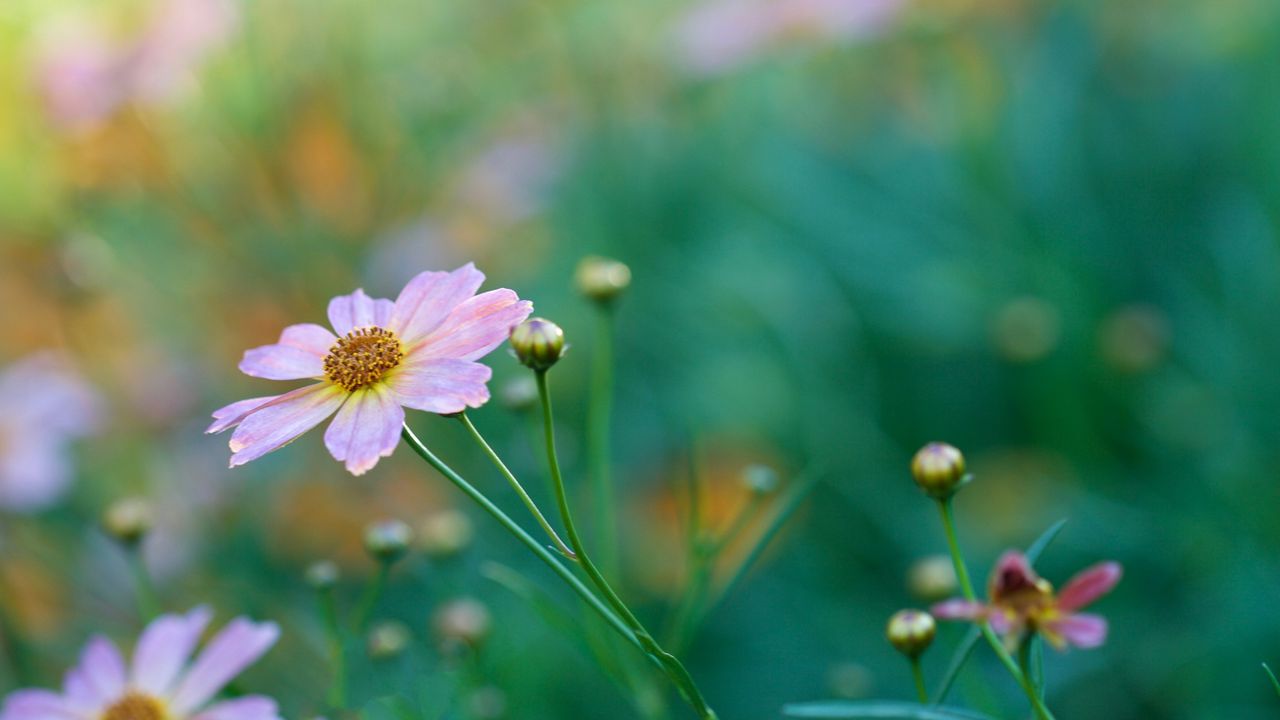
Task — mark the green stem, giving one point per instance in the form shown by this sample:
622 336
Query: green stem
670 665
966 588
372 593
515 485
148 604
598 424
337 660
918 674
525 538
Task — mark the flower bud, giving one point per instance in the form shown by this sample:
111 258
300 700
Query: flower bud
487 703
938 469
462 622
760 479
932 577
444 534
128 520
388 639
538 343
387 540
911 632
322 575
521 393
602 279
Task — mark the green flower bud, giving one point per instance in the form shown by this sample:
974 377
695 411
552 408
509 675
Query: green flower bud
538 343
932 577
462 622
322 575
388 639
938 469
387 540
760 479
444 533
911 632
602 279
128 520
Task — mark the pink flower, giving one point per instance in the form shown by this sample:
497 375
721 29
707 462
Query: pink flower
47 404
1021 601
418 352
160 684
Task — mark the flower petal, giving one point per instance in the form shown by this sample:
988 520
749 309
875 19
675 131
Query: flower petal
37 705
164 648
102 668
235 648
1079 629
958 609
299 354
35 469
429 298
283 420
1012 574
1089 585
475 327
366 428
441 385
348 312
252 707
233 414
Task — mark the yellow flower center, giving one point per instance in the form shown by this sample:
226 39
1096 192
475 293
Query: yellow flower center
136 707
362 357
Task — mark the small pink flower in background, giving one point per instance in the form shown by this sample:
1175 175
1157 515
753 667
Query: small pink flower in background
418 352
719 36
85 76
1022 601
163 683
509 180
47 404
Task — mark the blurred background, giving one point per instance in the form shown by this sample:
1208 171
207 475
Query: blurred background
1045 232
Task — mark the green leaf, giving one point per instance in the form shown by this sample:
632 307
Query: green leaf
1274 682
1042 542
879 709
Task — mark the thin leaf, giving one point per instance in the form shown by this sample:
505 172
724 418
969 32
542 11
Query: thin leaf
1036 548
1274 682
879 709
1037 664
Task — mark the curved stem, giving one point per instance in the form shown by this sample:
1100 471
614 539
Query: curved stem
525 538
515 485
598 414
148 605
918 675
966 588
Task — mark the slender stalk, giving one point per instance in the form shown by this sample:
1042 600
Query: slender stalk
372 593
669 663
337 660
598 451
525 538
148 604
515 485
966 588
918 674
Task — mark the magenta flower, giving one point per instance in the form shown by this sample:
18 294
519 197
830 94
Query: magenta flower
160 684
47 404
418 352
1022 601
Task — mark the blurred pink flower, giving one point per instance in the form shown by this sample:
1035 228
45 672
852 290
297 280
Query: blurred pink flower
47 404
508 180
160 683
418 352
1021 601
718 36
85 76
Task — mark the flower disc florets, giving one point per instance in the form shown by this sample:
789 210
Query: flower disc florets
135 707
362 357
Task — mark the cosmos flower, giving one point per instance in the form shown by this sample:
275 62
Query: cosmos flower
47 404
418 352
1022 601
160 684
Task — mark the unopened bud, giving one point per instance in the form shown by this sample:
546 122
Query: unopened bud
387 540
322 575
462 622
538 343
602 279
128 520
388 639
760 479
445 533
938 469
932 577
911 632
521 393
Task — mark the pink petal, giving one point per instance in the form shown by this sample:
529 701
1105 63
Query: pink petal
283 420
429 298
1089 585
475 327
165 647
1004 622
1012 573
366 428
35 469
1081 630
237 647
233 414
103 667
299 354
348 312
441 385
80 693
958 609
252 707
37 705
